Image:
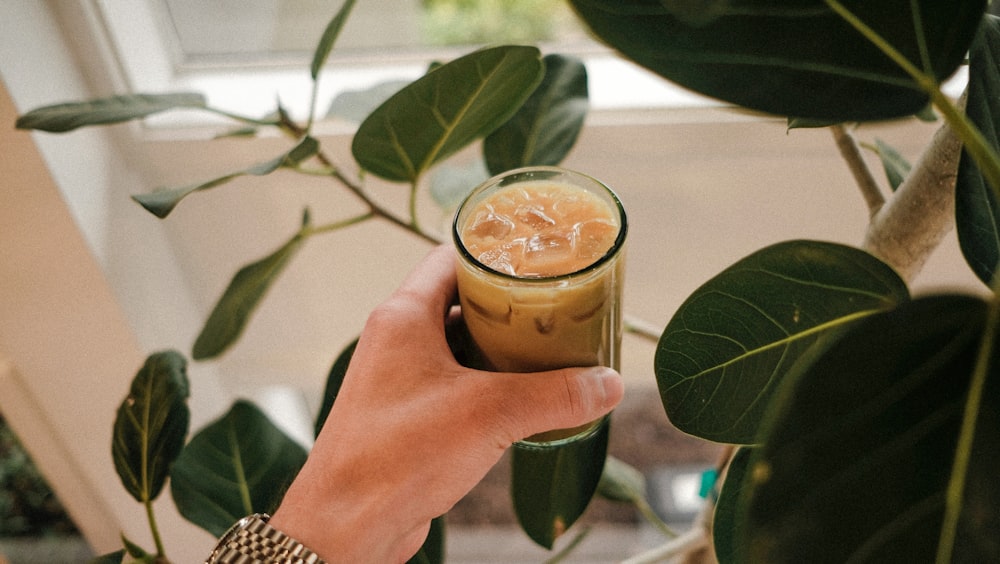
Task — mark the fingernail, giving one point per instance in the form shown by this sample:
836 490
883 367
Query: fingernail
611 386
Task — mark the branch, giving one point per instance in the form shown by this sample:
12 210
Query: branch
921 212
859 169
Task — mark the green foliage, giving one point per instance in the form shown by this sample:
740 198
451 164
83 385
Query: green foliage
329 38
869 428
27 504
445 110
552 487
800 59
236 466
476 22
731 343
161 202
895 166
976 210
726 524
247 288
151 425
60 118
546 127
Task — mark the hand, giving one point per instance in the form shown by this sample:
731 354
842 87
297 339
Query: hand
412 431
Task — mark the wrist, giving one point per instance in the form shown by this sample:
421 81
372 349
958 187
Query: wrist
343 527
251 540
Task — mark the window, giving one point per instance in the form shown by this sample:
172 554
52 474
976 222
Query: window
243 56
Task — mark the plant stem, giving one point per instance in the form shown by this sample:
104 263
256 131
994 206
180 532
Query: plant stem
647 512
921 211
851 153
244 119
309 231
690 540
642 328
355 187
154 529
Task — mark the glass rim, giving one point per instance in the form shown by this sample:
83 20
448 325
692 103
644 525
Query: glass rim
618 244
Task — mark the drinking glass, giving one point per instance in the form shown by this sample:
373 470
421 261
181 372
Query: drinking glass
523 321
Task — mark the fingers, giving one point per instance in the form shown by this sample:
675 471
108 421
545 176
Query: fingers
432 281
527 404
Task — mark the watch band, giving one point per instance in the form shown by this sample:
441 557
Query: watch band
252 541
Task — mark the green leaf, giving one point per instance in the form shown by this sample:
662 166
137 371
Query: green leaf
245 291
861 448
895 165
977 214
162 201
151 425
135 551
116 557
726 520
329 37
246 131
791 58
60 118
445 110
730 344
334 380
238 465
552 487
546 127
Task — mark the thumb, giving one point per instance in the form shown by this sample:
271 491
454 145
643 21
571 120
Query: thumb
559 399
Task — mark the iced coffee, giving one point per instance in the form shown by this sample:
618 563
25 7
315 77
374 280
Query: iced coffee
540 274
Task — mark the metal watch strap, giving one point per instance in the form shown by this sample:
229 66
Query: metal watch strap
252 541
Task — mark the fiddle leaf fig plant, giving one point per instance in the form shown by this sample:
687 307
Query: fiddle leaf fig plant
862 422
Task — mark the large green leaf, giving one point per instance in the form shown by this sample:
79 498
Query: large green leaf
445 110
551 487
546 127
862 446
791 58
151 425
729 345
245 291
60 118
977 215
238 465
162 201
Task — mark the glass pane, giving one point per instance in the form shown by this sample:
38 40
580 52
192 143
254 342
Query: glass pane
215 31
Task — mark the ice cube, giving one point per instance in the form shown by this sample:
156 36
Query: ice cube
594 237
545 254
488 224
544 324
499 259
534 217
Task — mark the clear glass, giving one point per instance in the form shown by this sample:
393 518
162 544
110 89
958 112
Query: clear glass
538 323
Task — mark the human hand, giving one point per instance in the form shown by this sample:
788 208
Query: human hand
412 431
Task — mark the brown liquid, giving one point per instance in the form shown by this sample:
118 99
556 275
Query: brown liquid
533 322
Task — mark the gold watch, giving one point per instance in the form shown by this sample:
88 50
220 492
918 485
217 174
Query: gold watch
252 541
